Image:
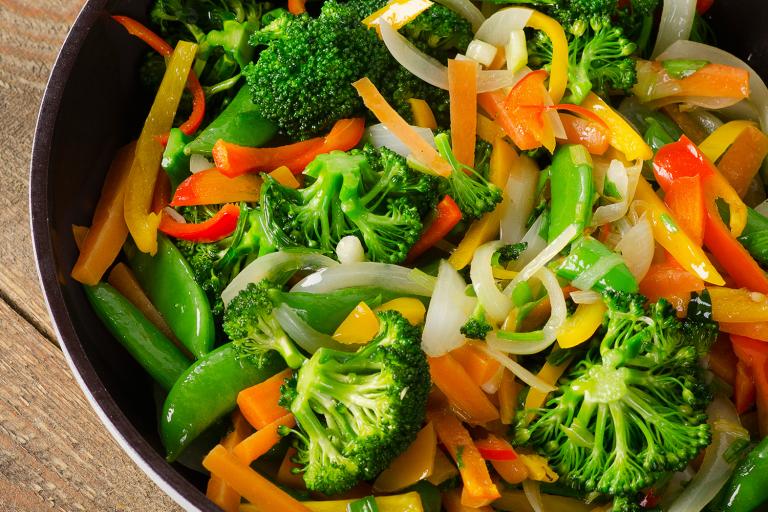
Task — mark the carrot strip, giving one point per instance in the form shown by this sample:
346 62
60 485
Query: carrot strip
462 90
462 392
508 391
218 491
259 403
447 215
261 441
742 161
286 475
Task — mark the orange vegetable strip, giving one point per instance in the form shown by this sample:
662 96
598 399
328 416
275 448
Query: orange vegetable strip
416 463
79 233
487 129
685 199
716 80
754 355
447 215
722 360
479 366
686 122
670 281
108 230
742 161
512 471
744 390
507 394
754 330
265 495
297 7
462 392
384 112
452 503
218 491
462 90
259 403
423 116
479 490
286 476
161 197
213 187
585 132
261 441
285 177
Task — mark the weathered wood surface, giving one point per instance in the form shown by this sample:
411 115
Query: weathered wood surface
54 453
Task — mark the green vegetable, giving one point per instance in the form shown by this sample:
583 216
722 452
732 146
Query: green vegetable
367 504
754 237
239 123
207 391
634 407
175 161
146 344
572 189
439 32
746 490
357 411
508 253
431 498
477 326
170 285
682 68
660 131
587 252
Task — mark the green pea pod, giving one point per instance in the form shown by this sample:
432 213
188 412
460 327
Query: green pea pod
233 39
147 345
571 188
171 286
239 123
175 161
208 390
589 256
747 489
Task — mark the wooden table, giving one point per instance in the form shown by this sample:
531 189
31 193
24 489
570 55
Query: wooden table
54 452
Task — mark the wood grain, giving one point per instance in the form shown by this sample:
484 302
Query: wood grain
54 453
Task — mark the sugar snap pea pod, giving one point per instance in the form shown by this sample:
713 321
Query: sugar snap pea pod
175 161
239 123
171 286
591 265
571 188
148 346
747 489
208 390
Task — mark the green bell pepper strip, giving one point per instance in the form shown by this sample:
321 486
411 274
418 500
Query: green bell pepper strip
571 188
147 345
587 252
747 489
175 161
240 123
367 504
208 390
657 134
171 286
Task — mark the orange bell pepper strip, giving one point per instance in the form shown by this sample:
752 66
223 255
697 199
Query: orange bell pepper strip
479 366
259 403
744 390
495 448
192 124
464 395
288 473
416 463
670 281
387 115
218 491
685 199
212 187
214 229
462 90
261 441
587 133
488 130
478 490
711 81
738 305
507 395
108 230
743 159
233 160
447 216
249 483
297 7
722 360
754 330
754 355
452 503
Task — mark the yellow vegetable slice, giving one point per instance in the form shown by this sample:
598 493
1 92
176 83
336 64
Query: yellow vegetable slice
719 140
416 463
360 326
558 73
423 117
412 309
580 326
621 135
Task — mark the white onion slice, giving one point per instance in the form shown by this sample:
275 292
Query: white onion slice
691 50
466 10
273 266
367 273
534 244
493 80
629 177
380 136
304 334
587 279
495 303
676 23
637 247
519 370
449 309
496 29
532 490
350 250
172 213
519 198
544 257
199 163
585 297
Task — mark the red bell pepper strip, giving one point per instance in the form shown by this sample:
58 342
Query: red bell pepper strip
495 448
670 281
685 199
744 391
191 125
214 229
233 160
447 215
702 6
212 187
754 355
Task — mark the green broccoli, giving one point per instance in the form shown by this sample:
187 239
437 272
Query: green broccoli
357 411
634 407
250 323
509 253
439 32
477 326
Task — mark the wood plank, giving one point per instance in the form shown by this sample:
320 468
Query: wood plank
54 452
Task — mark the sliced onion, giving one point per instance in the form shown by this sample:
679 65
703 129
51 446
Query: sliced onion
172 213
534 244
627 185
637 247
304 334
275 267
199 163
350 250
384 275
449 309
548 254
532 490
495 30
493 80
519 198
691 50
587 279
676 23
712 103
519 370
585 297
380 136
762 208
495 303
466 10
492 385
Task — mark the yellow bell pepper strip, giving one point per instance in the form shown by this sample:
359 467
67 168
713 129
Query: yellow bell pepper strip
452 503
218 491
261 441
259 404
423 117
507 395
478 490
416 463
288 474
108 230
212 187
285 177
360 326
142 223
397 13
538 468
715 145
409 502
476 362
621 134
549 373
738 305
743 160
412 309
464 395
249 483
443 469
422 151
462 91
487 129
503 161
581 325
558 78
666 232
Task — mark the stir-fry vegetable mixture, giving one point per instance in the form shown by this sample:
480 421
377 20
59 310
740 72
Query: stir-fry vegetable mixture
416 256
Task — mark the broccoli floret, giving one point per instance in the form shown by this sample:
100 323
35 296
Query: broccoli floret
473 194
403 86
201 16
439 32
477 326
250 323
632 408
508 253
357 411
